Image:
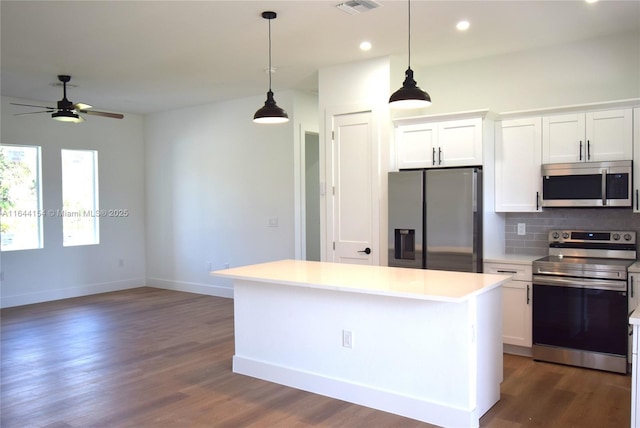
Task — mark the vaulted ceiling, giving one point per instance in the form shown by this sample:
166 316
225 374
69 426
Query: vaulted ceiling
149 56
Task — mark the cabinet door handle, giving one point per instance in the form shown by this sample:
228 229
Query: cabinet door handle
433 157
588 150
366 251
631 286
528 298
439 155
580 149
537 201
637 207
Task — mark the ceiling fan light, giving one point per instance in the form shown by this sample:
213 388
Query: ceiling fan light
67 116
409 95
270 112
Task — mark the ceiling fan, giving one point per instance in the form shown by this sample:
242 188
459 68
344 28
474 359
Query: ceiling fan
66 111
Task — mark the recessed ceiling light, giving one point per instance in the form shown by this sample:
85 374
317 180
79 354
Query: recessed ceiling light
591 1
463 25
365 46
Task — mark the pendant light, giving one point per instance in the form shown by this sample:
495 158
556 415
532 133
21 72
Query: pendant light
410 95
270 112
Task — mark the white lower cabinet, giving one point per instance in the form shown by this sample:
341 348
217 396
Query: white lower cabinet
635 372
516 302
634 380
633 298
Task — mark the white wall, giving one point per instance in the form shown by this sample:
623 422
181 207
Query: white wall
54 271
348 88
214 181
587 71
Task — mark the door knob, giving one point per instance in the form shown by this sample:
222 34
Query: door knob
366 251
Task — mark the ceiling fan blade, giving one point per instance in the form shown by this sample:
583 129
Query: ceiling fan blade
29 105
82 106
34 112
102 113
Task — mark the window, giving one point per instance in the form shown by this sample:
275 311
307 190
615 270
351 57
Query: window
81 214
20 197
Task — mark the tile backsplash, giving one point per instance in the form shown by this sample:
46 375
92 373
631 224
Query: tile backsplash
537 226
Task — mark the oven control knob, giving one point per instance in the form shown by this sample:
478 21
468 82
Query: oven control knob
627 237
616 236
565 235
556 235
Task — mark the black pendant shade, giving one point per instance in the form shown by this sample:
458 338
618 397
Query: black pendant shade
270 112
409 95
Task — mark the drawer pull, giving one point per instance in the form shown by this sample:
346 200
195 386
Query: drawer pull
507 271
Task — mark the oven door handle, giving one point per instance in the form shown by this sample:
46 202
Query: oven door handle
598 284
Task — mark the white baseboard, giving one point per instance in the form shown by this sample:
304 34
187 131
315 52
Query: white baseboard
69 292
517 350
106 287
191 287
365 395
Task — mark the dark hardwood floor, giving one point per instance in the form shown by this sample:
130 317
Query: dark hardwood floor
156 358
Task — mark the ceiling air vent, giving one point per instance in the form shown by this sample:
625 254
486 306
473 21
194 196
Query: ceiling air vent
354 7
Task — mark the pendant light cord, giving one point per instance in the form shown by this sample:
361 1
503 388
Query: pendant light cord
409 27
270 55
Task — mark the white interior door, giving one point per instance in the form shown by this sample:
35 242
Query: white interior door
353 215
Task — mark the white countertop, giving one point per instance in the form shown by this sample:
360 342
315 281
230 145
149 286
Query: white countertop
520 259
635 268
634 318
422 284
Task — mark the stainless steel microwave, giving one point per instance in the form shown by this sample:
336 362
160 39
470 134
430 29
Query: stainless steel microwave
587 184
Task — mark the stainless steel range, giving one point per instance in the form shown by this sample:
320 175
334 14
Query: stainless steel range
580 299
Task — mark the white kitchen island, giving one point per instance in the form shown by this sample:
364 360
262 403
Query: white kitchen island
424 344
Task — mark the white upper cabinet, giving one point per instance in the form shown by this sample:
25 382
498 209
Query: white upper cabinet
439 144
416 145
564 138
588 137
518 160
460 142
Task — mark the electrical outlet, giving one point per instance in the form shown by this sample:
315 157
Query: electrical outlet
226 265
522 228
347 339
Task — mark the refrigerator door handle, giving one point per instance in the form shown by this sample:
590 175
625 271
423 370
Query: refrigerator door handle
474 192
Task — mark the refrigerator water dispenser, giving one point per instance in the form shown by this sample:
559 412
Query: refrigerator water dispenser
405 244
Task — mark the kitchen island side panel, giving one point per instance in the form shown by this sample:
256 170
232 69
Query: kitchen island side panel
411 357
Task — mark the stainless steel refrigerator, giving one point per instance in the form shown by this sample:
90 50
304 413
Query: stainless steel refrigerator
435 219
